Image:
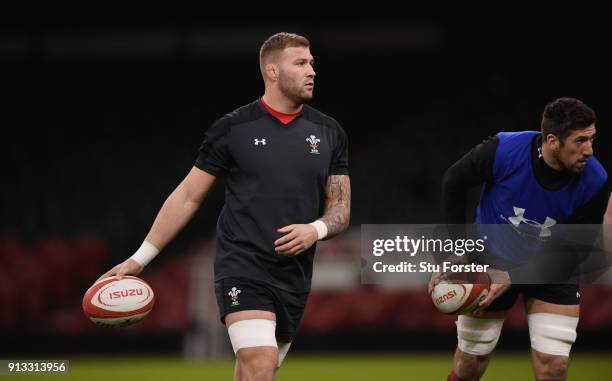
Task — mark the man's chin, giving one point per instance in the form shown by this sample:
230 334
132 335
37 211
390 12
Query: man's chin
301 98
306 97
578 168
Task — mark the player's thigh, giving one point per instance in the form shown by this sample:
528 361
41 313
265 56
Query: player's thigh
252 329
552 315
247 309
533 305
559 299
477 334
234 317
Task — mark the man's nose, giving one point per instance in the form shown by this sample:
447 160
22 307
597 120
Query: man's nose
588 149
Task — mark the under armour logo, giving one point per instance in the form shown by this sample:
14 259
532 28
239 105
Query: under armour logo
260 141
520 217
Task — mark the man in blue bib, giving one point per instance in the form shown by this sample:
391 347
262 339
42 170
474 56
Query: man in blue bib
533 180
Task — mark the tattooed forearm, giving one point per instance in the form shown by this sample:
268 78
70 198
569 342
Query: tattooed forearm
337 204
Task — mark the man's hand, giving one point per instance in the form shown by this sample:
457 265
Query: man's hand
437 277
297 238
433 282
127 267
500 283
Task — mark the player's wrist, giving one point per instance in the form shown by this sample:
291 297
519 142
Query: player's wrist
321 229
145 253
499 276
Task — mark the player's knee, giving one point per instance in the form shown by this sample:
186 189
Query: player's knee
478 336
257 363
550 367
552 334
469 367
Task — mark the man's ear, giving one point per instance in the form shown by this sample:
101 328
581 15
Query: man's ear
272 71
553 141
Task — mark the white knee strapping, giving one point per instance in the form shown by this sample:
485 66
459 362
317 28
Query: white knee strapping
477 336
283 348
252 333
553 334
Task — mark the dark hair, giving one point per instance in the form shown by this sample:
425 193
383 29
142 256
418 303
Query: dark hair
564 115
280 41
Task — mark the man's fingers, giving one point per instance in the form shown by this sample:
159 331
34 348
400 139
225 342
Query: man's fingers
106 274
286 229
435 279
432 284
295 250
295 240
486 301
115 271
286 238
129 267
121 272
284 249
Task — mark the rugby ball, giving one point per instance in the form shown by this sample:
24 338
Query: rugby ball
113 302
457 297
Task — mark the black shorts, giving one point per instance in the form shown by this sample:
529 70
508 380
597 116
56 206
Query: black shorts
567 294
240 294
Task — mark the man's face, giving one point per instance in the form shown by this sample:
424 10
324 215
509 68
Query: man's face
574 152
296 74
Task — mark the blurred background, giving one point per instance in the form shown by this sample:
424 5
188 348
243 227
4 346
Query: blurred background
102 119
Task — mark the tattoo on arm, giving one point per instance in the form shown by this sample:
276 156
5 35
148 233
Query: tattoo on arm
337 204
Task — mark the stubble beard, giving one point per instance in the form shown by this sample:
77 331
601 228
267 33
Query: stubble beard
294 93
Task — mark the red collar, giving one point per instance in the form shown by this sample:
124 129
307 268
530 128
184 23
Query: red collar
282 117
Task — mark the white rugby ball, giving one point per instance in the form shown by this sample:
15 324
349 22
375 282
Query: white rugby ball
113 302
458 298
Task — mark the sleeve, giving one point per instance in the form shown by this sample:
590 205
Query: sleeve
339 162
475 168
214 155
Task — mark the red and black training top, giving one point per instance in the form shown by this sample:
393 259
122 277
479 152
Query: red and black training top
275 175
